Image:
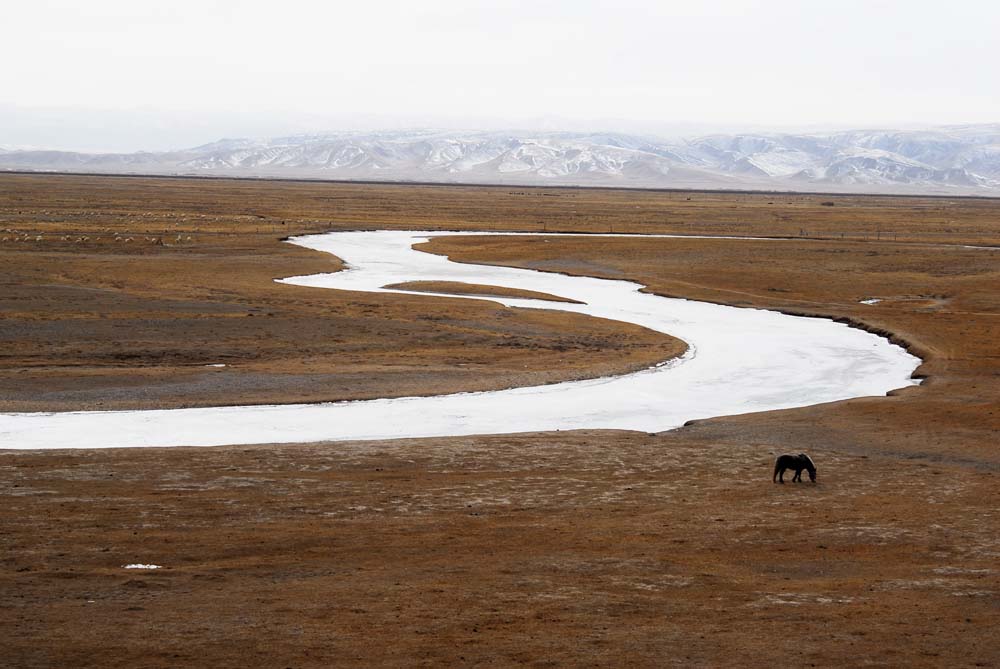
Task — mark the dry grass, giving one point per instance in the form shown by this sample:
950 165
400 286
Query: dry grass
590 548
112 300
607 549
219 206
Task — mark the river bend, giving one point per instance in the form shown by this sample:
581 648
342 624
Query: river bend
738 361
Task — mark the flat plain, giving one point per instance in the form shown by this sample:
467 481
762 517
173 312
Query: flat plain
571 548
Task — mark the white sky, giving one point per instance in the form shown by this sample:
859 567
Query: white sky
137 74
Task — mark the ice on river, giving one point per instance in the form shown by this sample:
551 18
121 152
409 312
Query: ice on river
738 361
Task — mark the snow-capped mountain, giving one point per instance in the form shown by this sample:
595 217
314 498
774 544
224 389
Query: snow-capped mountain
956 159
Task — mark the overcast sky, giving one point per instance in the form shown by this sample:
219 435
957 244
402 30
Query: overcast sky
129 74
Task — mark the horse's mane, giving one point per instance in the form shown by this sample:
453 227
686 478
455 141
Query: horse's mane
809 460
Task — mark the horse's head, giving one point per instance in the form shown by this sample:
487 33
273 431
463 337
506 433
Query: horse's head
810 466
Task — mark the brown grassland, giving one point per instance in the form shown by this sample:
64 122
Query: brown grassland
578 548
123 300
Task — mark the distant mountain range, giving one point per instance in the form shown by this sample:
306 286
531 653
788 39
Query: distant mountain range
953 159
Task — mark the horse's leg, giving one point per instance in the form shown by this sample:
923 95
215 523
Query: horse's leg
798 476
781 475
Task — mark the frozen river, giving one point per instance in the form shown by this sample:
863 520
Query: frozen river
738 361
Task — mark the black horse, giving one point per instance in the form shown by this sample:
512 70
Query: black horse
796 462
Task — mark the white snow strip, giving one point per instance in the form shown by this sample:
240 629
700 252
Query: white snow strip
141 566
870 300
738 361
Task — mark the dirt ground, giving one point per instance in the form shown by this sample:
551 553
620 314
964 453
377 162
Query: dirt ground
555 549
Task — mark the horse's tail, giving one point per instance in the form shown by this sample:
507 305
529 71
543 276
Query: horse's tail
777 466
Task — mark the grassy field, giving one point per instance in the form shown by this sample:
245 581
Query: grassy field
571 548
120 293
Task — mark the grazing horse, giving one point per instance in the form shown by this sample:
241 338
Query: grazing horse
796 462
